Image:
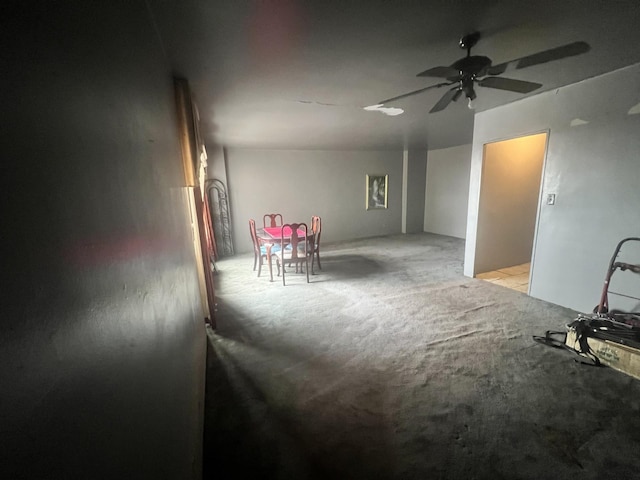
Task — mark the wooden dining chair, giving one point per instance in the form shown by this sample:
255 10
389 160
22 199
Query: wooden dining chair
316 230
272 219
261 250
296 250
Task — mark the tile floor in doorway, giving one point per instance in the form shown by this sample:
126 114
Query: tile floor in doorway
516 277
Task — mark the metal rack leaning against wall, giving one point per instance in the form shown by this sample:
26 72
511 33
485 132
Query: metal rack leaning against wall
220 216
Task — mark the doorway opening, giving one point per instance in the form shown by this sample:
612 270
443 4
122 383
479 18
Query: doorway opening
508 210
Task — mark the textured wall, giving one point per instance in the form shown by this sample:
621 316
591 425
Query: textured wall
416 177
447 194
301 183
102 355
593 168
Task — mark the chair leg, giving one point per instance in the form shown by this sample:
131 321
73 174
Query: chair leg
307 268
255 260
260 265
280 264
318 255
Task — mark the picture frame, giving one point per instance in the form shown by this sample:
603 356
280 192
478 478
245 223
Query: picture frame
377 189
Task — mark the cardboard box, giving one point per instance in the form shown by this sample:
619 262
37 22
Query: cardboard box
619 357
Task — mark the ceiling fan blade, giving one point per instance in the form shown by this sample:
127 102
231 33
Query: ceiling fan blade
440 72
446 100
569 50
564 51
415 92
509 84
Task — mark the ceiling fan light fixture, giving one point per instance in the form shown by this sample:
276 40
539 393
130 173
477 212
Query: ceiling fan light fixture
471 104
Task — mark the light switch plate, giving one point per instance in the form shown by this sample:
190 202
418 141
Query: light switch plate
551 198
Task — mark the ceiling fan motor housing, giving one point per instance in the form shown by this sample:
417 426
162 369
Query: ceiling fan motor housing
469 68
472 66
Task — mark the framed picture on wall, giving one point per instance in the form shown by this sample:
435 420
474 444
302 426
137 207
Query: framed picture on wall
377 189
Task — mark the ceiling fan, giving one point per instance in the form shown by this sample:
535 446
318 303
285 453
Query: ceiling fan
476 69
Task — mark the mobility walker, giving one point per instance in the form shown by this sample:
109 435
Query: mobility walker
605 323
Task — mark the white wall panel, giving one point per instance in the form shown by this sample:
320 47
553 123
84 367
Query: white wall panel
447 193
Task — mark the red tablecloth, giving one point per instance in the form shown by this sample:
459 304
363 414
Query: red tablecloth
274 232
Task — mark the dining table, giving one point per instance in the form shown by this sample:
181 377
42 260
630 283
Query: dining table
271 236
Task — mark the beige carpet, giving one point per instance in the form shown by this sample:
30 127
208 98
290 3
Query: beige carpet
392 364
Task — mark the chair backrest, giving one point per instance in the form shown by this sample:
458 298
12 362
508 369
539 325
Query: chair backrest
254 235
295 234
272 218
316 227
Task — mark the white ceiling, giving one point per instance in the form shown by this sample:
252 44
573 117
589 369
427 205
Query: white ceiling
296 74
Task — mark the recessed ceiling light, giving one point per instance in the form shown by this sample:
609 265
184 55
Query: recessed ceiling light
635 110
577 121
391 111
